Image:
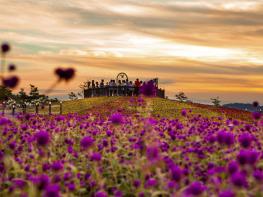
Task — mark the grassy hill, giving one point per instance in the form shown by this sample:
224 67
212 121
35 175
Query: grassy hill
156 106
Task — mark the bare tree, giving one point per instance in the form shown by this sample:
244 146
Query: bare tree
216 102
181 97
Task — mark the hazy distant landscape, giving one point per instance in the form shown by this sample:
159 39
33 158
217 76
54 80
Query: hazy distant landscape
127 98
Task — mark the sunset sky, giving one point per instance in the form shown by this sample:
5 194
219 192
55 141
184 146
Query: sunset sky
206 48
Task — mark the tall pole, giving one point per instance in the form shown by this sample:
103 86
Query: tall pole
49 108
60 107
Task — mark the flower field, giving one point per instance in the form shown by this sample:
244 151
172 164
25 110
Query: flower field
131 147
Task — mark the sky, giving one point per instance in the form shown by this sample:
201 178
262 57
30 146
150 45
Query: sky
205 48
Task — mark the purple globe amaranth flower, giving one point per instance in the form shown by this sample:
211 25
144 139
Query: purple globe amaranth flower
226 138
196 188
258 175
52 191
42 181
116 118
233 167
152 153
42 138
95 157
183 112
136 183
151 182
245 140
247 157
176 173
148 88
86 142
255 104
19 183
227 193
101 194
65 74
256 115
11 67
57 165
5 47
10 82
239 179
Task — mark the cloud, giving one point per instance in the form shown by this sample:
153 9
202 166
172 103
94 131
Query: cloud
194 45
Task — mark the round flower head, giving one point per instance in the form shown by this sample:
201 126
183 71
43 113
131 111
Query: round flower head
227 193
52 191
65 74
86 142
195 188
151 182
233 167
176 173
152 153
42 138
255 104
247 157
101 194
42 181
5 48
116 118
148 89
10 82
239 179
256 115
95 157
11 67
245 140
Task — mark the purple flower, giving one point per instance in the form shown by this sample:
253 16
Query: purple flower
152 153
183 112
151 182
176 173
65 74
19 183
226 138
57 165
10 82
232 167
42 138
148 89
5 47
256 115
227 193
239 179
86 142
136 183
258 175
196 188
42 181
116 118
52 191
101 194
255 104
95 157
11 67
247 157
245 140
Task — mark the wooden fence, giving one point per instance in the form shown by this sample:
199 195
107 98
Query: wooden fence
45 109
117 91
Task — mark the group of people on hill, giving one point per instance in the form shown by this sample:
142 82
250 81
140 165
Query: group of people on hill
114 88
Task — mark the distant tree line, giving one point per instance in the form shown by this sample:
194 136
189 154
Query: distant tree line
22 98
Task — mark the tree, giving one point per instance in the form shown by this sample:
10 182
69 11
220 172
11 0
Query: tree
181 97
21 97
216 102
5 93
72 96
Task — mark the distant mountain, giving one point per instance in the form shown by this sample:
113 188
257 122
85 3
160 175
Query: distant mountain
243 106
